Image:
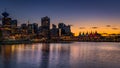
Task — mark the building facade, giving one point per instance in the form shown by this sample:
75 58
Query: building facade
45 27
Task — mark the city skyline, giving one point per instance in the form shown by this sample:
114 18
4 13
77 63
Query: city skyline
83 15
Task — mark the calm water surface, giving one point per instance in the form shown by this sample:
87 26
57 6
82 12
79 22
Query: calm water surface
61 55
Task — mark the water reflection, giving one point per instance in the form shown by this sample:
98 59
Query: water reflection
6 55
60 56
74 55
45 56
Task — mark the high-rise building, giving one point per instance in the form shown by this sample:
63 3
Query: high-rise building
65 29
30 29
45 22
6 25
54 31
13 26
6 21
40 30
35 27
54 26
13 23
23 28
45 25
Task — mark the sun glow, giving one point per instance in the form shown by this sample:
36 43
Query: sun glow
97 25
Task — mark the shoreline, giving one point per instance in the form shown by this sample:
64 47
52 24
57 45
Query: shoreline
31 42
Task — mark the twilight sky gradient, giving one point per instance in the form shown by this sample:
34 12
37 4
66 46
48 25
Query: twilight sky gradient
82 14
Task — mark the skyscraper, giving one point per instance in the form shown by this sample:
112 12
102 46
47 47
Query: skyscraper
65 29
54 31
24 28
6 21
45 25
30 29
35 27
13 23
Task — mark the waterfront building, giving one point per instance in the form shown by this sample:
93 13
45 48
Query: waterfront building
89 36
13 27
6 21
45 26
54 31
54 26
65 29
6 25
13 23
40 30
35 28
30 29
24 26
23 29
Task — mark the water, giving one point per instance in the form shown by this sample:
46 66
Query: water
61 55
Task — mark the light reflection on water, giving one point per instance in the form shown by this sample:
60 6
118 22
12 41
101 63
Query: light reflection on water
60 55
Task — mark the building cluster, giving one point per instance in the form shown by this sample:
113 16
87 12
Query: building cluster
97 37
9 30
89 36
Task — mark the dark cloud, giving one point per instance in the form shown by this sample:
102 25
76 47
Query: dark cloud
108 25
115 28
82 28
94 27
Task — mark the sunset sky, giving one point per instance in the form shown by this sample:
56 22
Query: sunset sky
84 15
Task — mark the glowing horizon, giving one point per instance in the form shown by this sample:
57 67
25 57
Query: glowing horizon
104 26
